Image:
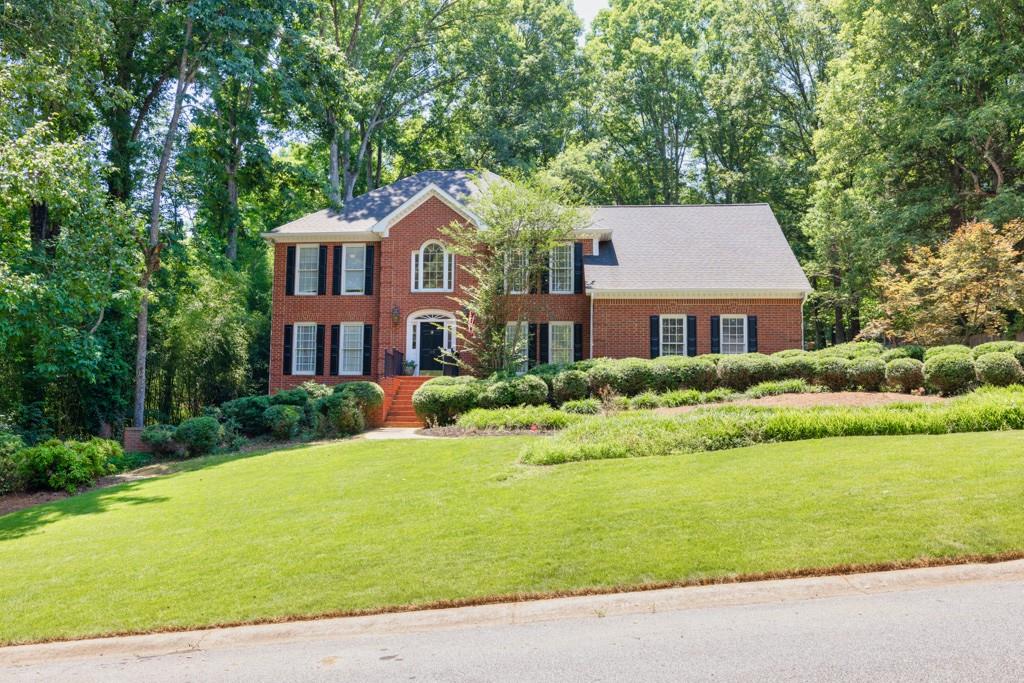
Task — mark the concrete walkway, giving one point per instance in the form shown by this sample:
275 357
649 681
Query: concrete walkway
945 623
387 433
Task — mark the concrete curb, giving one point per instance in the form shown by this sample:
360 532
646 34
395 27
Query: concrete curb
593 606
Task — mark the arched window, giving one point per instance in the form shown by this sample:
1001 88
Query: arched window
433 268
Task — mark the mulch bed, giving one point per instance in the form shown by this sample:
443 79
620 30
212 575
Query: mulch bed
839 398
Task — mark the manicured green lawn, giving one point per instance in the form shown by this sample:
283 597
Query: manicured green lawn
364 524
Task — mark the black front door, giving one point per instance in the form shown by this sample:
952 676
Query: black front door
431 343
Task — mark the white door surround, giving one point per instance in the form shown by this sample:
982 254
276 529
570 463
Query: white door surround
412 332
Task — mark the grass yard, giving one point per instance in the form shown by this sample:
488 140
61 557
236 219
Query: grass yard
367 524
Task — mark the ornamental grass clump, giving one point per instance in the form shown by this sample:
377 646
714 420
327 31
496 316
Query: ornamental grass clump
583 406
517 419
642 433
781 386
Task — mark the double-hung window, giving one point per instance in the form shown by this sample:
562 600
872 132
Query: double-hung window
304 349
673 335
517 338
350 349
353 268
433 268
518 270
734 333
560 343
307 269
560 269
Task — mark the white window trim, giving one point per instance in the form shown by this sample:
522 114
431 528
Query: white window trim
295 355
572 270
341 348
551 338
344 269
298 272
661 333
524 331
721 333
526 274
416 274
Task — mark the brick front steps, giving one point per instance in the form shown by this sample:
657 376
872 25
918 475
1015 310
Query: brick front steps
400 412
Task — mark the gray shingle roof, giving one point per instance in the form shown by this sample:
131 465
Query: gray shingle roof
363 212
700 248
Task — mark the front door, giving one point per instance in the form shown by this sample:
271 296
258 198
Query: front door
431 343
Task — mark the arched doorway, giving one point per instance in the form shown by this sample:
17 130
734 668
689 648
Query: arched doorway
427 334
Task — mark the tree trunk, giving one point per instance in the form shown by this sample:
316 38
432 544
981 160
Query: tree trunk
335 198
39 223
233 218
153 246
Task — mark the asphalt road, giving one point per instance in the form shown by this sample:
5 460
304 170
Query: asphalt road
943 627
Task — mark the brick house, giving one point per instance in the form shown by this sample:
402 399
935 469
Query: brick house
373 283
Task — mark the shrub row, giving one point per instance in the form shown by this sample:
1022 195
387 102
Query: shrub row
642 434
310 407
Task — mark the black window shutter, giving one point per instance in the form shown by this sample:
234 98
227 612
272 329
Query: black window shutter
577 267
545 351
655 335
336 272
321 283
289 275
531 344
577 342
716 334
691 335
368 284
335 348
319 349
751 334
367 348
287 355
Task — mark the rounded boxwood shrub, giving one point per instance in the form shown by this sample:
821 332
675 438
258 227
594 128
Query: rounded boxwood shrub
160 438
368 395
339 415
868 373
950 373
795 366
671 373
283 420
290 397
583 406
603 375
789 353
994 347
199 435
906 351
999 369
528 390
315 390
832 372
851 350
570 385
247 413
906 374
742 371
636 376
440 400
934 351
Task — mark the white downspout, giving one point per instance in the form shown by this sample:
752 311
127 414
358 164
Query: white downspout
591 325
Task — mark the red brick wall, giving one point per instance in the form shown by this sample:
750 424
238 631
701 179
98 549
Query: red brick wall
622 326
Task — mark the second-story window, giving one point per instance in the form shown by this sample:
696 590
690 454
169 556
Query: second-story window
518 268
307 269
560 265
354 268
433 268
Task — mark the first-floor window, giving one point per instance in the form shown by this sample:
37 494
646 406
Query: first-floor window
734 333
517 337
673 335
560 343
304 349
351 349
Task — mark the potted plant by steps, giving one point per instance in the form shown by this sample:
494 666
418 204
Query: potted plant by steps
410 367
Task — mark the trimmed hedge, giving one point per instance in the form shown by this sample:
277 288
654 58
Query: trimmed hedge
999 369
283 420
867 373
646 434
160 438
199 435
570 385
995 347
368 395
528 390
742 371
832 372
247 412
440 400
909 351
958 349
906 374
950 372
